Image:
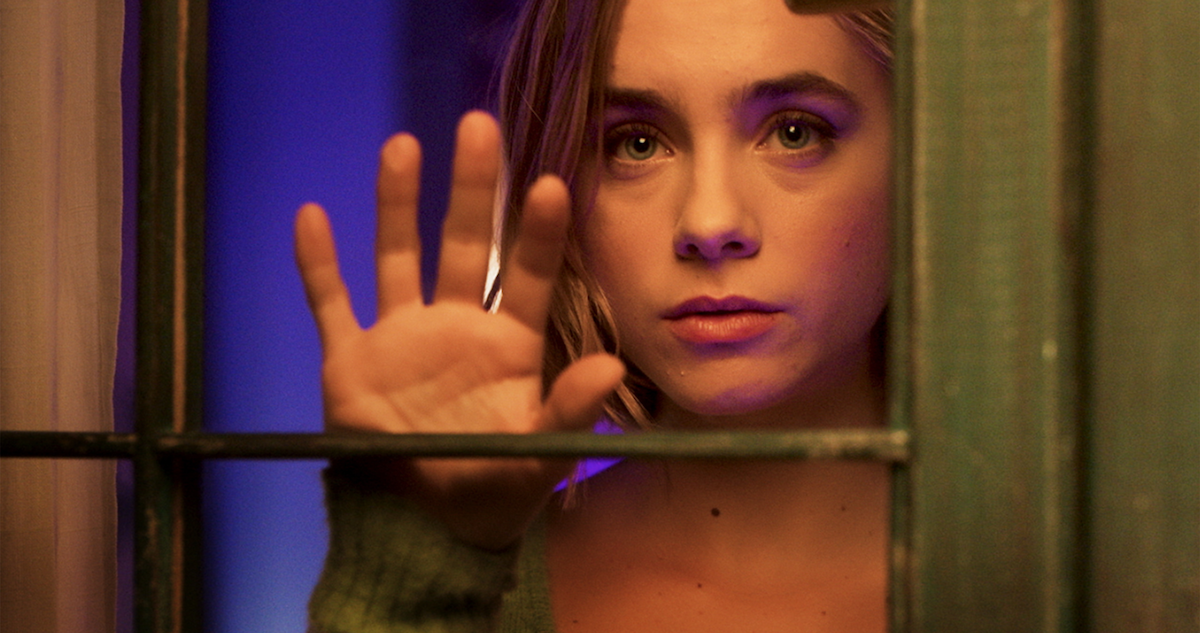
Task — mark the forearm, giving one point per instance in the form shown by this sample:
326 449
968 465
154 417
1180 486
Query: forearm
391 568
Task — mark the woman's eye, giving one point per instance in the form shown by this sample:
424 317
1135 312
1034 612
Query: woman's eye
799 132
634 143
794 135
639 147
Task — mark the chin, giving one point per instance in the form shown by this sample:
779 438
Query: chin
735 400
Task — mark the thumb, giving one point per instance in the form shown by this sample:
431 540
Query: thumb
577 395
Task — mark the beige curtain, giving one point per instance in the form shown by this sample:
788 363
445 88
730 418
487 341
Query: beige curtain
60 244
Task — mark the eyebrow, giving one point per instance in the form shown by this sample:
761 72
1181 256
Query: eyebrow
766 90
636 100
795 84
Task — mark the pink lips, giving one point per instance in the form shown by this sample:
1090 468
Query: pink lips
705 320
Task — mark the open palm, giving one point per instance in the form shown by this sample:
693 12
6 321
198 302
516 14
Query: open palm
450 366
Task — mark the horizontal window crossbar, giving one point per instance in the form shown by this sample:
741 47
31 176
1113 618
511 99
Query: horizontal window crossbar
67 444
872 444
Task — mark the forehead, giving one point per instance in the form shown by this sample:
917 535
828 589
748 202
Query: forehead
714 46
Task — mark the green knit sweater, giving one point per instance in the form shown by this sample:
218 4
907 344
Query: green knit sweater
391 568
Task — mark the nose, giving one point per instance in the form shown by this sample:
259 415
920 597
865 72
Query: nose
715 246
715 223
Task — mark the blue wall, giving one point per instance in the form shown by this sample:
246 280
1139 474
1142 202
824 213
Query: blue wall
301 95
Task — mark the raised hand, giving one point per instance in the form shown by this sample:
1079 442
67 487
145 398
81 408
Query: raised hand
449 366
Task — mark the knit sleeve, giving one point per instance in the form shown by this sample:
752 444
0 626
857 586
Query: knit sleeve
527 608
391 568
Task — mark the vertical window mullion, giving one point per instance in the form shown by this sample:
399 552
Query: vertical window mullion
899 324
170 239
992 372
1144 309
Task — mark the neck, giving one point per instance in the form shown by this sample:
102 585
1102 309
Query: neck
724 517
721 495
754 522
729 497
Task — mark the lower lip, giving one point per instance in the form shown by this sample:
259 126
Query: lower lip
726 327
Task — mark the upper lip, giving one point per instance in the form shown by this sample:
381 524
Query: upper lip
710 305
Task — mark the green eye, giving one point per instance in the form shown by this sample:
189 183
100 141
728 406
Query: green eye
794 135
640 147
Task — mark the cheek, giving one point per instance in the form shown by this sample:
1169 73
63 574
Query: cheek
629 257
839 243
624 244
865 204
869 237
614 255
865 260
603 246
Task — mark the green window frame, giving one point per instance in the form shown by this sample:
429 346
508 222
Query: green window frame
1045 326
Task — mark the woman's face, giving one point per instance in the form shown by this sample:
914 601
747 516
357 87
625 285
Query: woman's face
741 222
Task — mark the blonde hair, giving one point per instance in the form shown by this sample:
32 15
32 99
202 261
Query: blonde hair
875 30
551 112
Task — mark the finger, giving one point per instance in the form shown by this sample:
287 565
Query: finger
323 284
467 232
397 242
532 269
577 396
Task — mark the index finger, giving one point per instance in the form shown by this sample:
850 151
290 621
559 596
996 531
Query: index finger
532 269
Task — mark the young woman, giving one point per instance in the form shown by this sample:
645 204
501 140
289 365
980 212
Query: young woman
712 254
